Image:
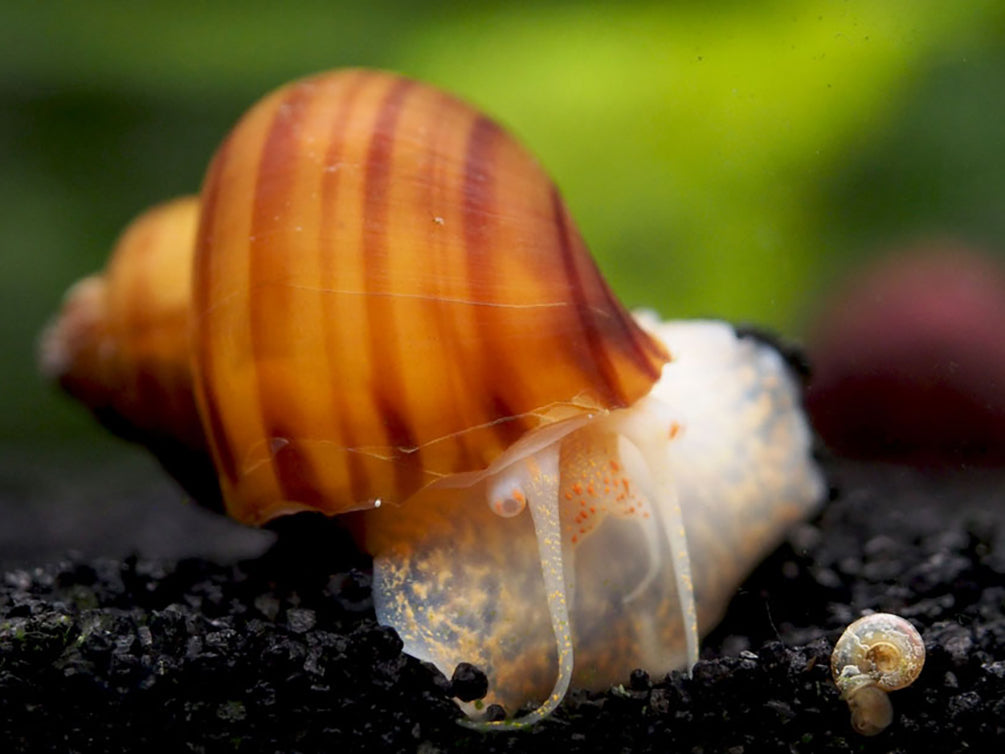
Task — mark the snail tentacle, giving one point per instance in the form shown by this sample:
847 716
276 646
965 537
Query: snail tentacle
654 538
669 512
539 489
642 428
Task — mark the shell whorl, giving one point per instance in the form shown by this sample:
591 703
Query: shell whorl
388 290
120 344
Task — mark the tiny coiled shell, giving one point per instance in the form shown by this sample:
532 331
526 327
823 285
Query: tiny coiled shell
393 317
875 655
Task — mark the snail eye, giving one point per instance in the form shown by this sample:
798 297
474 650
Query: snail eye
512 504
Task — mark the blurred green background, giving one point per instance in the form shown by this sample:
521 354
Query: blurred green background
721 158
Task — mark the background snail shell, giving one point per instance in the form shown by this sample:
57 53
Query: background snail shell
121 344
876 654
394 317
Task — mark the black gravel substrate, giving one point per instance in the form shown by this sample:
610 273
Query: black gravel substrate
281 653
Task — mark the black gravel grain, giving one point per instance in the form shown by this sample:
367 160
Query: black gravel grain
281 652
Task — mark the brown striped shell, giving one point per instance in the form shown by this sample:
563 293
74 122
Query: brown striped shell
381 275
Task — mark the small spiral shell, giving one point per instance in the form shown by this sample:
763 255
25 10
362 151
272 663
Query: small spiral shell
875 655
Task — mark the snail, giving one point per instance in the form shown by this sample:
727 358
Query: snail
394 319
875 655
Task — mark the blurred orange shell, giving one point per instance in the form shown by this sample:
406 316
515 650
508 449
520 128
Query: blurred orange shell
121 346
388 290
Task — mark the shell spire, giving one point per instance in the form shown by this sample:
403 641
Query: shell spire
120 344
389 290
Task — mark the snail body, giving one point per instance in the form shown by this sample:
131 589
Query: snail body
394 318
876 654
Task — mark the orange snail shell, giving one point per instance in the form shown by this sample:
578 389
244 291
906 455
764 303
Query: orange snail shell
390 304
431 271
121 344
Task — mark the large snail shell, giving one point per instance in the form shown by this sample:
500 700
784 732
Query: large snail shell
121 344
388 291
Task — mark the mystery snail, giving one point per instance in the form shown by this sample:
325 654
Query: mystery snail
875 655
393 317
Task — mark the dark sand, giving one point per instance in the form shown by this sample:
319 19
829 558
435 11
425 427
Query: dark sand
237 651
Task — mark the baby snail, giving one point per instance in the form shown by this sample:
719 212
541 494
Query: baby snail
875 655
392 317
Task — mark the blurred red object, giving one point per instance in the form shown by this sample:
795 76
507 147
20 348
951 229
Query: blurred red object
908 359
